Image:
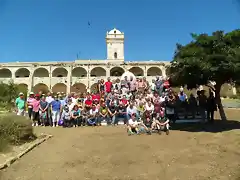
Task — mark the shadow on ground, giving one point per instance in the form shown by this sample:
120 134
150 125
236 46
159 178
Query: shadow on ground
217 126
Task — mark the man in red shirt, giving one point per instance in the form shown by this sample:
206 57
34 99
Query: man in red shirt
108 86
88 102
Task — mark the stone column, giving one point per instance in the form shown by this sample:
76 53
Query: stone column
30 83
107 72
50 78
69 79
145 71
163 69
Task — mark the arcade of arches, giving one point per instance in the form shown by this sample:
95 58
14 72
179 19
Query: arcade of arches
49 78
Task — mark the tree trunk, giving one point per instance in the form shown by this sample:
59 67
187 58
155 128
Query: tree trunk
219 102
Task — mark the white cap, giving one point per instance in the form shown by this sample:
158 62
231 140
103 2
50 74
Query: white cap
20 94
31 93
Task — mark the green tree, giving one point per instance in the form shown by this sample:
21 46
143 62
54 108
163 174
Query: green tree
9 92
208 58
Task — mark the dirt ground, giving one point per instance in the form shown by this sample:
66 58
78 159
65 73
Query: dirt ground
196 152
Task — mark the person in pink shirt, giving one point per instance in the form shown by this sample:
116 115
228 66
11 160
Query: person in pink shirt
36 106
29 104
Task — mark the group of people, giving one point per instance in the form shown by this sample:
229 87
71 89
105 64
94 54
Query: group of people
140 105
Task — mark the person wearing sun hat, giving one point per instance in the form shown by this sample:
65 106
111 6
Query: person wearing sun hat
20 105
30 101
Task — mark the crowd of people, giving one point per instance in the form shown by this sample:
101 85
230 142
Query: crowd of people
141 105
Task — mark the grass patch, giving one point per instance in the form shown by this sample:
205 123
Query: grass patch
14 130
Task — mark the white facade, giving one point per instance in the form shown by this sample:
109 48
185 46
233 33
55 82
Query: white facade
115 45
79 75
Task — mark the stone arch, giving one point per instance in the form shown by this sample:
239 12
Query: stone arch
79 72
117 71
59 72
59 87
137 71
94 87
41 72
23 87
98 71
5 73
40 87
22 72
154 71
78 88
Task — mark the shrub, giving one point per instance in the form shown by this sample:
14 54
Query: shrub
8 93
14 130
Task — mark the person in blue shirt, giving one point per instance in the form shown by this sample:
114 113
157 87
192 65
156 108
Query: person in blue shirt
56 109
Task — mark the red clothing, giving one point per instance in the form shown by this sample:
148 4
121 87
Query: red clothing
108 86
166 84
124 101
88 102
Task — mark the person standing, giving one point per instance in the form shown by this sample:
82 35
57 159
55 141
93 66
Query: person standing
29 104
20 105
56 109
49 100
211 106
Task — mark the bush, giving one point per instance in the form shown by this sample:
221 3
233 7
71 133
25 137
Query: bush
14 130
8 93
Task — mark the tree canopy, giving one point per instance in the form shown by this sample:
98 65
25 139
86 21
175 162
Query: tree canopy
214 57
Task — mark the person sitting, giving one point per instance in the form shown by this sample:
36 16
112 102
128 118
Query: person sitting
147 122
132 126
112 111
121 113
163 121
140 109
131 109
75 116
93 116
85 116
66 116
103 113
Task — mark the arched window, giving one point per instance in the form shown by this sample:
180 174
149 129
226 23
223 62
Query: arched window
115 55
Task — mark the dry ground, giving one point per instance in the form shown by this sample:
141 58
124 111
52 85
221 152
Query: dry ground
107 153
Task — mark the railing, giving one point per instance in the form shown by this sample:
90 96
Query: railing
59 80
38 80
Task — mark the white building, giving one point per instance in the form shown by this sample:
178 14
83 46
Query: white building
80 75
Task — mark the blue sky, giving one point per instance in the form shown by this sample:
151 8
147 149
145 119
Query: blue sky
56 30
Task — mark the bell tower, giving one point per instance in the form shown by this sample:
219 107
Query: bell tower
115 45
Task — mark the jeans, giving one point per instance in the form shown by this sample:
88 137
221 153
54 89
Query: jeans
49 116
77 121
30 113
92 121
113 118
55 116
210 115
101 118
121 116
202 113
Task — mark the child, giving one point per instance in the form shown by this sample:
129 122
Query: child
66 116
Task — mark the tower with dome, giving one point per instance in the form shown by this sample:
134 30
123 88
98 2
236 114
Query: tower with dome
82 74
